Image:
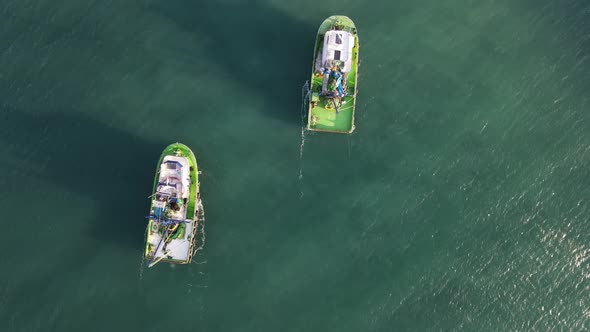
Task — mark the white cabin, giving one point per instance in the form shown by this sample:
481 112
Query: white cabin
174 176
338 46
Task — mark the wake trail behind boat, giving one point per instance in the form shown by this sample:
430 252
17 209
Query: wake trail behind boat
349 147
142 264
200 228
305 93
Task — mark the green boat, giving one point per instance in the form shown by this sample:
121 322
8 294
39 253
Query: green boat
334 79
176 208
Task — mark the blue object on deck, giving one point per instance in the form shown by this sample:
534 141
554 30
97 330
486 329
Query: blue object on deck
338 76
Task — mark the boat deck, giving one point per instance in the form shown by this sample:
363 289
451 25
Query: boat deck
177 250
326 119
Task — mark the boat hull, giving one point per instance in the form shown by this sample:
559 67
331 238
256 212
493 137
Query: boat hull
326 114
186 230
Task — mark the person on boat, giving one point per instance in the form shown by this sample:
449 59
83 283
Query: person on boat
338 76
326 76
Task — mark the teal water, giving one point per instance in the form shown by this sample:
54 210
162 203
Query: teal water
461 202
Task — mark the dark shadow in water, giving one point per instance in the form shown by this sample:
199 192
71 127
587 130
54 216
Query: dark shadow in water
567 24
110 167
261 47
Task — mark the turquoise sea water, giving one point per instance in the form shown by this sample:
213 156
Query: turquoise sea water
461 202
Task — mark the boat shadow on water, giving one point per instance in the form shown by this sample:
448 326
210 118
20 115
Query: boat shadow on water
262 48
108 166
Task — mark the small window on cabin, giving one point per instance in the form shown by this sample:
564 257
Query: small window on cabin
338 39
170 165
336 55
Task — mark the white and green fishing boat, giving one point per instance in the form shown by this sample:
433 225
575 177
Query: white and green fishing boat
334 78
176 208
